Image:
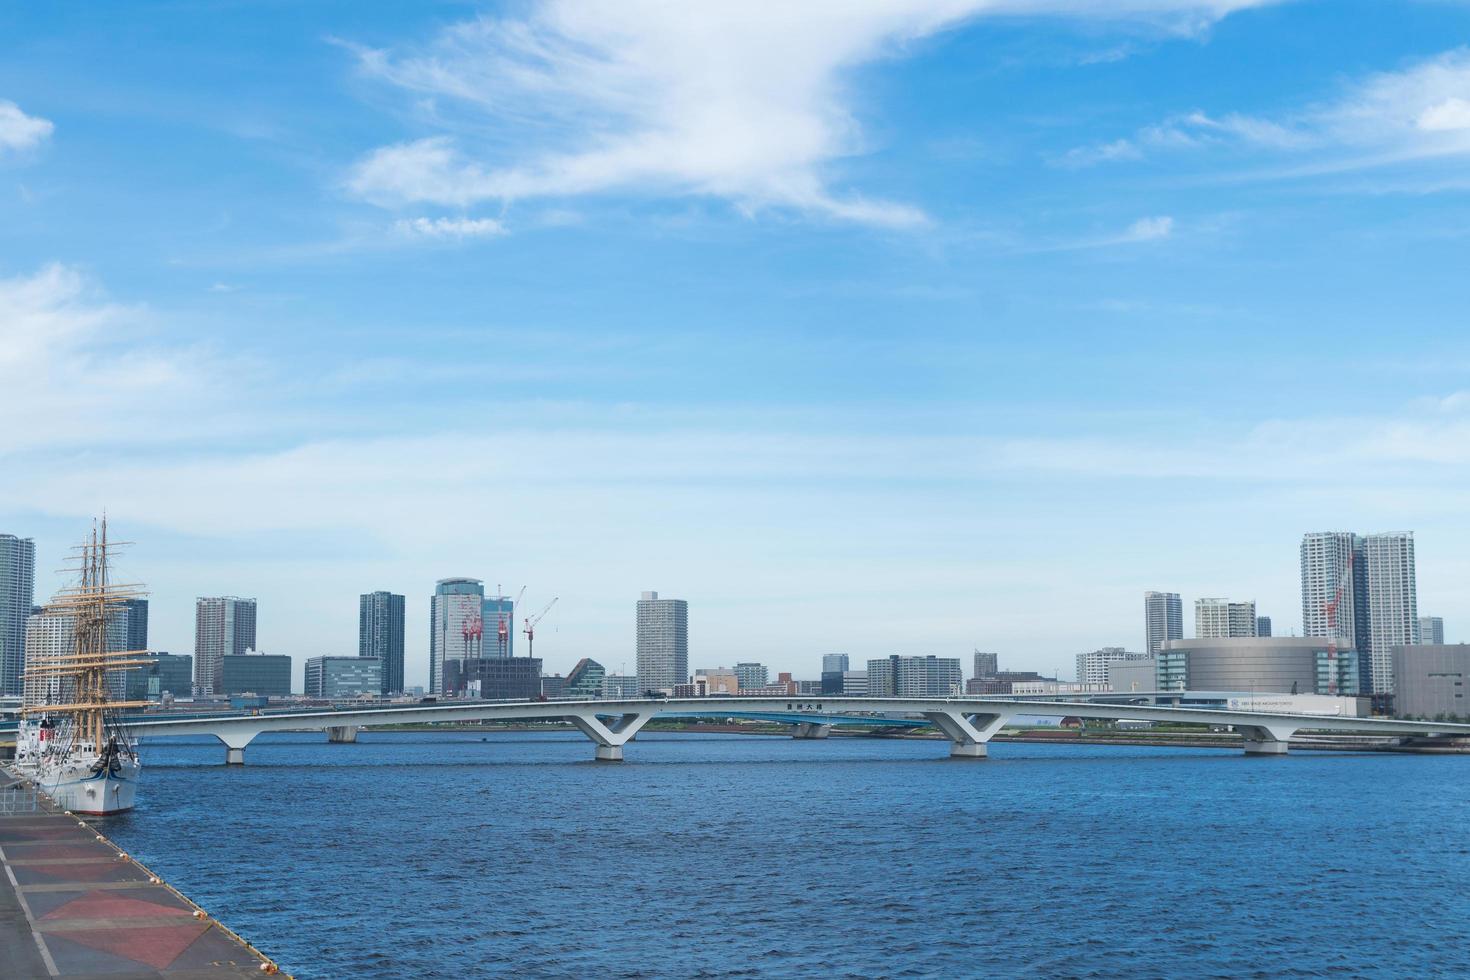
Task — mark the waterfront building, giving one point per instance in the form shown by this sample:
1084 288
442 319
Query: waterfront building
750 675
17 598
1431 630
1092 667
494 678
835 663
171 674
1215 618
1378 606
719 680
915 677
136 635
1163 620
456 626
663 642
1002 682
1132 676
584 680
986 664
620 686
1326 560
48 636
1281 664
854 684
1432 681
331 678
499 613
224 626
1263 625
553 686
380 635
263 674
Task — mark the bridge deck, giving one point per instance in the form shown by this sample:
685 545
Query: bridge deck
73 905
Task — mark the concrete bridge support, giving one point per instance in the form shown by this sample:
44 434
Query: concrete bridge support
342 733
235 741
1264 739
810 729
610 738
968 732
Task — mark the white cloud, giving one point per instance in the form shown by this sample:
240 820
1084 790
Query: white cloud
738 99
19 131
449 228
1420 112
1149 229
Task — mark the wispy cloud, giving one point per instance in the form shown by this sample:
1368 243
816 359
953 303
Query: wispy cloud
1421 112
740 100
449 228
19 131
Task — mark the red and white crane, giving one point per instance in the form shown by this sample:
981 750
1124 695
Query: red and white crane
530 629
502 628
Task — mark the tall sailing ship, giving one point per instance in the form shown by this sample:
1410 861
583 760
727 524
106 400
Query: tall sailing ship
72 743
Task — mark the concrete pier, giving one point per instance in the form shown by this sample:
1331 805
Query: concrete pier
73 905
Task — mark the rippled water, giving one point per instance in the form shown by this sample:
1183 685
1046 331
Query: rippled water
445 855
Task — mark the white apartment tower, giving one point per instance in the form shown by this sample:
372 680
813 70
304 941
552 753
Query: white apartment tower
663 642
1163 620
1372 578
17 596
223 626
1223 619
1393 605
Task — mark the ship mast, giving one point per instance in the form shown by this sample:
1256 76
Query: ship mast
81 673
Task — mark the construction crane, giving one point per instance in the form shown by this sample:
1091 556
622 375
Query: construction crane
502 629
530 629
1344 574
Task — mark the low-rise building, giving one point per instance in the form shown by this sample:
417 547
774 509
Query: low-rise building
751 674
330 678
915 677
1092 667
266 674
718 680
1130 676
584 680
494 678
1002 682
620 686
1280 664
168 674
1432 681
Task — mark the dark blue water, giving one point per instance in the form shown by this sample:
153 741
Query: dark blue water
441 855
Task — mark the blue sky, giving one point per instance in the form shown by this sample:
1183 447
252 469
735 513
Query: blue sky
870 326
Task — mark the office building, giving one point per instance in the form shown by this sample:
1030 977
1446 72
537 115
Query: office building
751 675
1003 682
1092 667
380 635
1431 630
1263 625
1132 676
224 626
136 611
620 686
663 642
263 674
718 680
854 684
17 597
986 664
343 677
494 678
584 680
1163 620
1432 681
1372 579
499 613
168 674
915 677
456 626
835 663
1282 665
1217 618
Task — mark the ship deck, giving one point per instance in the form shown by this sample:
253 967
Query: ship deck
72 904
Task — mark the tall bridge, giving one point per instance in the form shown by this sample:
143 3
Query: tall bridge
970 723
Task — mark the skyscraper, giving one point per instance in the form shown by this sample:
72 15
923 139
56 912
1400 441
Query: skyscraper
663 642
1222 619
1163 620
17 596
136 635
380 634
1377 606
1393 605
986 664
834 663
1431 630
498 611
456 626
1263 625
223 626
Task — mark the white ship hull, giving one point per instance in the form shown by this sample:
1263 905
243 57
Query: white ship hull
74 786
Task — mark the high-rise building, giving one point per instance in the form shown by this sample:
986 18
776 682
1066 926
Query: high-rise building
1221 618
915 677
1326 558
986 664
663 642
834 663
1092 667
1263 625
1431 630
456 626
17 597
224 626
1393 606
343 677
750 675
137 624
48 636
380 634
1163 620
499 612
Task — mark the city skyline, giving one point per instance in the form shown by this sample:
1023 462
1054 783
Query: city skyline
898 335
